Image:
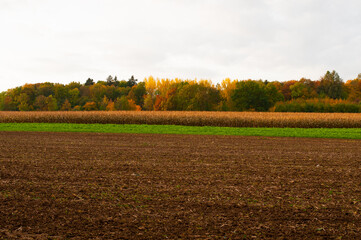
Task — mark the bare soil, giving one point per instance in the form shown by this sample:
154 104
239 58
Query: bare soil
139 186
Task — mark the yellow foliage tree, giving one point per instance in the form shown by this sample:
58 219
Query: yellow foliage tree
110 106
227 87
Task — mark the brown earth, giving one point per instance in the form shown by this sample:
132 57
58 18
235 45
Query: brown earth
138 186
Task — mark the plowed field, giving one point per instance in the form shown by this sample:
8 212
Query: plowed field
139 186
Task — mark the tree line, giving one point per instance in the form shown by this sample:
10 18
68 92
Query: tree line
329 93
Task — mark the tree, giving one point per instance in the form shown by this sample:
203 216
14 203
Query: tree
137 93
24 102
45 89
354 90
89 82
51 103
148 103
331 85
251 95
298 90
74 95
66 106
132 81
227 86
2 101
104 103
60 93
123 103
97 92
29 90
90 106
286 89
273 94
110 80
40 103
110 106
150 86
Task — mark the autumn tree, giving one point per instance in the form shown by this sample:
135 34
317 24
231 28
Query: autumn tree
150 87
66 106
90 106
137 94
24 102
110 106
40 103
29 90
354 89
227 87
286 89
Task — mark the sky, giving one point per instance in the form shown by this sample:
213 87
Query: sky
62 41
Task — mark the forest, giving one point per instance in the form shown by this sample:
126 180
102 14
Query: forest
328 94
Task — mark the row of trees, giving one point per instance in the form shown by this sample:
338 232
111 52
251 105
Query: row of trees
176 94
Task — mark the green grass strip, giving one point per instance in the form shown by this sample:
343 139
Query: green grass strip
348 133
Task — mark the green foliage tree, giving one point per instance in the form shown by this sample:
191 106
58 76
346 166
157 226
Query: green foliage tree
52 103
251 95
197 97
45 89
332 85
125 104
60 93
104 103
273 94
74 95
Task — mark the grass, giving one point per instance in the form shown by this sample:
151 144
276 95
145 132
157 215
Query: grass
346 133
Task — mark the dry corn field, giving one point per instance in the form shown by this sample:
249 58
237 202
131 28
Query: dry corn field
224 119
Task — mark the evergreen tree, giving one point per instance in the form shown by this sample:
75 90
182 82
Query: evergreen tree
89 82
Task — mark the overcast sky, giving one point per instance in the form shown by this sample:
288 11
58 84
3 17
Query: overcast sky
71 40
